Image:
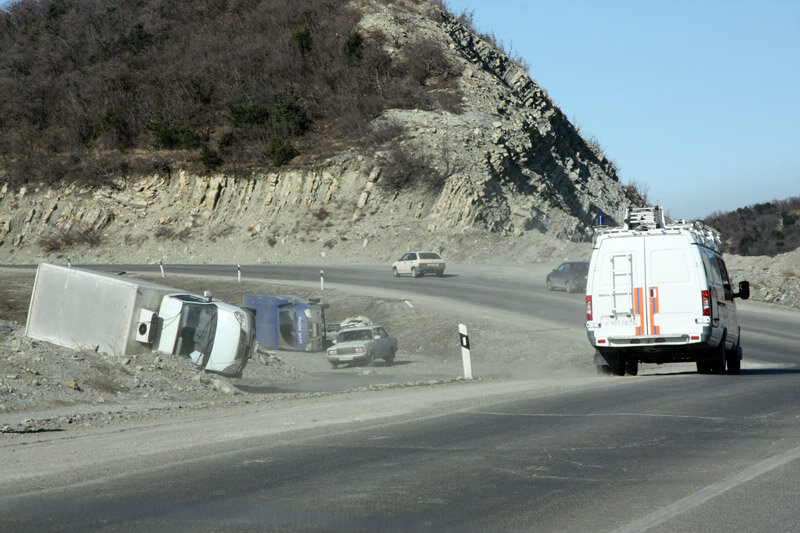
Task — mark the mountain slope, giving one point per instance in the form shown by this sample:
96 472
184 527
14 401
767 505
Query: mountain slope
494 172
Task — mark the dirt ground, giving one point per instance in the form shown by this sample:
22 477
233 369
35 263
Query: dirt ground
46 387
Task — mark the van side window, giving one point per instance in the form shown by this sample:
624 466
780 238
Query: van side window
726 281
715 270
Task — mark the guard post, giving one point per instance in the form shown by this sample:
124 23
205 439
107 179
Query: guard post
465 351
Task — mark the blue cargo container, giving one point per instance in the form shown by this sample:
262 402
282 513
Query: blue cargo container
287 323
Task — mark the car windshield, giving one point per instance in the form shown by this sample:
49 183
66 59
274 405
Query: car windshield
355 335
429 255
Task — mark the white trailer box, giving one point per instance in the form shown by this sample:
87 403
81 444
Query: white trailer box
75 308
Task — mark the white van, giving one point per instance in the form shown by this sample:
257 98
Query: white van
659 292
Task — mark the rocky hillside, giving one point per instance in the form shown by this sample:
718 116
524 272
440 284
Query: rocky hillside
513 174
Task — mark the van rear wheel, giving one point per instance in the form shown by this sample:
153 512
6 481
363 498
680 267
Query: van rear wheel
734 360
618 369
631 367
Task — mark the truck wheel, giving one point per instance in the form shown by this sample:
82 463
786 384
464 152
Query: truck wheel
734 360
631 367
414 272
703 367
604 370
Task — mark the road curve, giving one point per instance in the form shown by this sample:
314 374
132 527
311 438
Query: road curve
675 451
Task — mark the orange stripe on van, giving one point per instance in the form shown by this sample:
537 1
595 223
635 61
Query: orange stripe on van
654 330
638 308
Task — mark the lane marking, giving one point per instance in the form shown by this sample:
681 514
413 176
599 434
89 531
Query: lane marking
712 491
598 415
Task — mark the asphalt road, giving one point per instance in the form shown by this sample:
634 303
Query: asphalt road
677 451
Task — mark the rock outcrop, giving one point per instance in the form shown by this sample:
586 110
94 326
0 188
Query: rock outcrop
512 164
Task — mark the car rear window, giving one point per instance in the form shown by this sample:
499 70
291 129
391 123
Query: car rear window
429 255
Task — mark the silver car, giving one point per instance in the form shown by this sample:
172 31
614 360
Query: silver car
362 345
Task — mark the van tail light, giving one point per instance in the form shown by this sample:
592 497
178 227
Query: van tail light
706 303
588 308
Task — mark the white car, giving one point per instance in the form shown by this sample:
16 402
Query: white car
418 264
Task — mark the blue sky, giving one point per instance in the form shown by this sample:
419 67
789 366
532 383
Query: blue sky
697 102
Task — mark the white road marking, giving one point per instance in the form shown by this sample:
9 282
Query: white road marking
598 415
693 500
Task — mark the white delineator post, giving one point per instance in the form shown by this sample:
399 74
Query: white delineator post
465 355
239 273
161 267
321 280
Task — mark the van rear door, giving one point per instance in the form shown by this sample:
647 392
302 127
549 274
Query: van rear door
617 277
646 286
672 291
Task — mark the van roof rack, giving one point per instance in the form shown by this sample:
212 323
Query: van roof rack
649 217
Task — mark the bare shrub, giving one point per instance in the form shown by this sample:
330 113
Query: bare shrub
321 214
61 240
384 132
404 169
425 59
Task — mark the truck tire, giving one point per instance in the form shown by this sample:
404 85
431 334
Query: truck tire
604 370
631 367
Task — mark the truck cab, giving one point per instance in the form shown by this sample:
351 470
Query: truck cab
288 323
216 336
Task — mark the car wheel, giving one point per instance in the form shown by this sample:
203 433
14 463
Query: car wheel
734 360
335 365
390 358
394 271
570 287
414 272
440 274
549 285
368 359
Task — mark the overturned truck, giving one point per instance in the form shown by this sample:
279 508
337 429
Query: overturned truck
77 308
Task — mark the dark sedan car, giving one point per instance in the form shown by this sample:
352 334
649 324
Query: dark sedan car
570 276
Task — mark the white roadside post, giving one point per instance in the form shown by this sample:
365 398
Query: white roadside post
239 273
321 280
465 355
161 266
